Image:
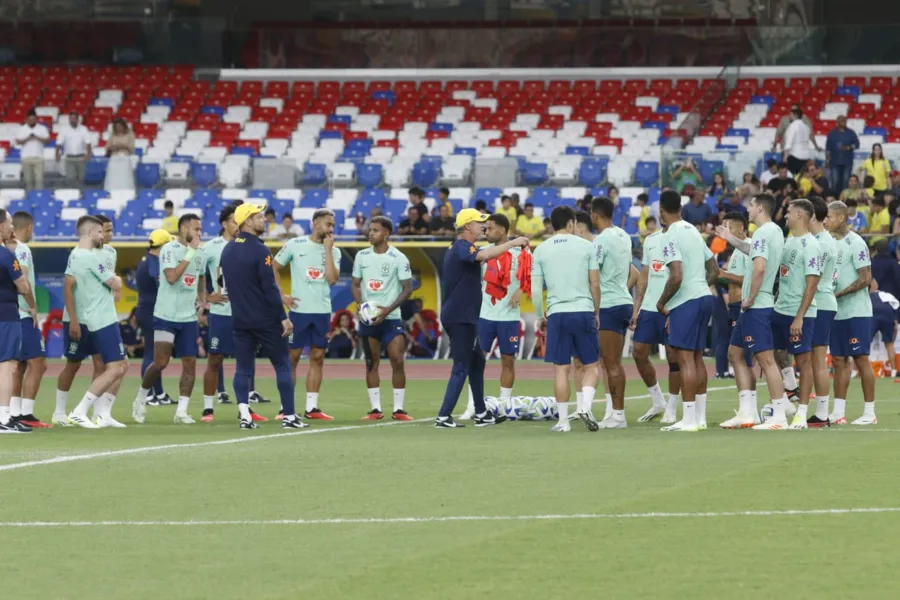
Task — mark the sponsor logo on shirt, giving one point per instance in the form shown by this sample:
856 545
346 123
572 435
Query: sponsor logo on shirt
314 273
375 285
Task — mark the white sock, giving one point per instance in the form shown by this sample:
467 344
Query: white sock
505 393
802 411
701 408
62 398
689 410
779 405
618 415
579 399
312 401
85 405
840 406
15 407
209 402
746 405
375 398
656 395
100 406
563 409
869 409
822 407
609 407
399 398
790 378
4 415
27 406
182 405
587 398
244 411
142 395
672 405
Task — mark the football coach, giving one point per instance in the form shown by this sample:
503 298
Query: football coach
459 315
257 312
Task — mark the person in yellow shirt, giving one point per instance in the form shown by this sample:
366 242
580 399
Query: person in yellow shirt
170 221
879 219
443 199
528 225
642 200
853 190
878 167
508 210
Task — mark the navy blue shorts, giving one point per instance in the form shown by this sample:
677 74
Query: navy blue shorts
505 332
107 342
310 330
886 328
616 318
822 327
650 328
734 317
77 351
753 331
221 335
689 323
268 340
10 340
572 334
32 341
851 337
782 338
385 333
186 334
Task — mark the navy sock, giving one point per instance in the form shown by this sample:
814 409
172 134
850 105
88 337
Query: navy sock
285 381
222 380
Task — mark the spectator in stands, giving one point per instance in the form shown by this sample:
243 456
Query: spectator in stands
528 224
342 337
414 223
852 190
508 210
649 228
119 148
777 184
895 183
548 228
270 221
481 206
885 269
878 167
812 180
31 138
892 203
868 191
879 218
686 175
856 220
287 230
363 223
416 196
718 187
797 141
643 201
132 336
443 225
74 143
839 149
170 221
517 204
785 122
443 200
584 203
697 212
770 172
613 194
750 186
731 203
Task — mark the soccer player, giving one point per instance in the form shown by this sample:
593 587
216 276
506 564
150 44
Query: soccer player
32 364
649 326
754 328
688 303
612 247
734 273
146 279
459 315
12 285
795 307
249 283
315 267
826 308
381 275
179 303
568 266
92 272
851 332
221 327
884 321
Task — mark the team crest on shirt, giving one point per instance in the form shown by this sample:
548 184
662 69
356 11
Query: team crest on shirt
314 273
214 343
73 347
375 285
385 269
784 270
657 266
189 280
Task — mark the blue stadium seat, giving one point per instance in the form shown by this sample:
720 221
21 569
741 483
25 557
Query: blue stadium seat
631 225
281 208
218 111
39 197
602 190
847 90
314 199
339 217
195 202
489 195
364 145
425 172
330 135
580 150
439 126
268 195
345 119
395 210
875 131
42 228
744 133
384 95
170 102
646 173
708 168
95 171
203 174
127 228
711 202
314 174
768 100
65 228
591 172
534 173
667 109
657 125
654 194
457 205
466 150
369 175
624 204
244 150
109 214
372 197
544 197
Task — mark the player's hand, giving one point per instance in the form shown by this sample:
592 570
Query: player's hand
74 330
746 303
217 298
723 232
287 328
33 313
797 327
667 325
328 241
195 243
634 319
520 242
382 315
289 301
661 309
542 325
516 299
202 318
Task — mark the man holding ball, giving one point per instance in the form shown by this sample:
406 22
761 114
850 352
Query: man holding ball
381 276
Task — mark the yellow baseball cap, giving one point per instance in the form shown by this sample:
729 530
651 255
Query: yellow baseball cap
247 210
160 237
469 215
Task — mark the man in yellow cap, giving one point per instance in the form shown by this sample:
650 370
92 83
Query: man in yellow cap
257 312
459 314
146 280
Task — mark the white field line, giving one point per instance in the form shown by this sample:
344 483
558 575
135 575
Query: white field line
466 518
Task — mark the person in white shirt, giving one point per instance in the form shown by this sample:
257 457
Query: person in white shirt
74 143
31 138
797 150
287 230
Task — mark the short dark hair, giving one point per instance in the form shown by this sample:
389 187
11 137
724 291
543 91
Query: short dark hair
737 215
102 219
603 206
582 216
561 217
480 205
869 181
851 203
227 213
500 220
643 197
269 211
384 222
782 166
504 197
31 113
767 202
878 199
83 222
648 219
819 207
168 204
797 112
417 191
529 205
445 191
670 202
21 219
187 218
804 205
287 215
771 163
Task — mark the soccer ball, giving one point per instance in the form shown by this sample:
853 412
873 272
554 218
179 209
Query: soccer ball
368 312
766 413
542 408
514 408
492 405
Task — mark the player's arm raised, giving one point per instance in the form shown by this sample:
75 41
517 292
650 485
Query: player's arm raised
332 274
486 254
173 274
742 246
